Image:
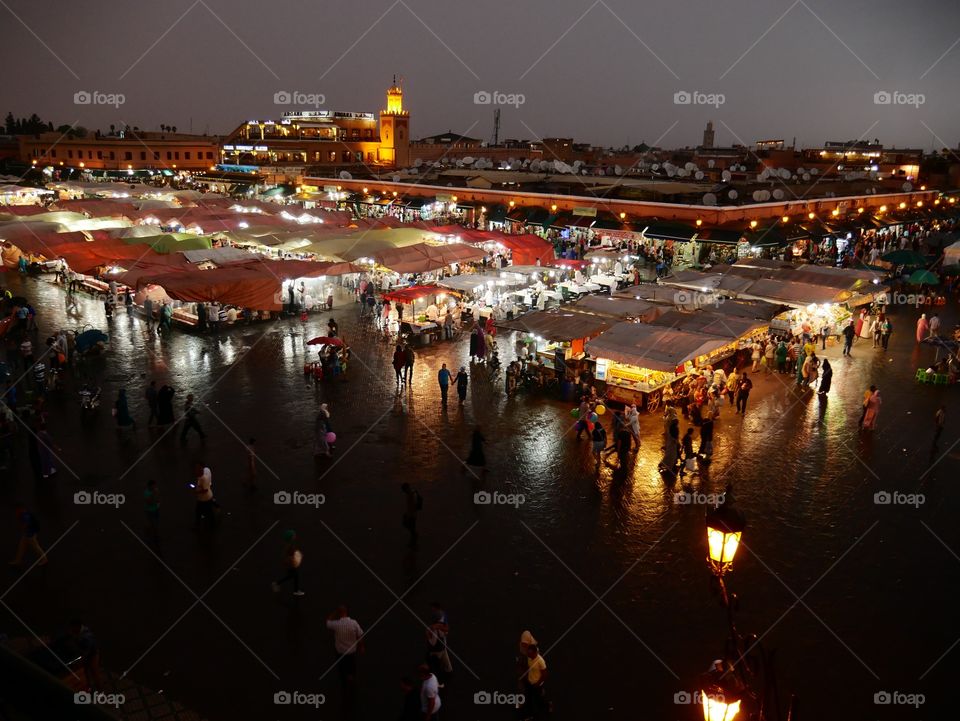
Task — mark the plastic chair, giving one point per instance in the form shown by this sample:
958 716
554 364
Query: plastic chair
940 379
921 375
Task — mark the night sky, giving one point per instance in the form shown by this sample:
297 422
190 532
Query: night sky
603 71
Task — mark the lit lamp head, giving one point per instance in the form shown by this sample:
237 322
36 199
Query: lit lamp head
720 699
724 528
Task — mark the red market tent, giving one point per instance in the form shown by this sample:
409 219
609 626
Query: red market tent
528 248
408 295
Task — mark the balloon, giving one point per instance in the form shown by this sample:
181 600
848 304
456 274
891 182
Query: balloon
593 417
575 412
601 410
331 437
590 426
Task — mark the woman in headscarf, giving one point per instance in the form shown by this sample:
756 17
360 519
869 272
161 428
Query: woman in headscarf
399 358
826 378
477 457
481 343
801 363
810 371
462 379
321 428
121 411
873 410
45 447
923 328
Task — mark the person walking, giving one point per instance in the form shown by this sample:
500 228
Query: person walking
203 493
826 379
633 422
121 412
443 378
743 394
866 400
923 328
128 301
408 359
148 312
321 429
29 529
399 360
768 354
347 644
151 395
45 448
462 380
477 457
873 411
292 557
599 438
755 357
429 694
165 405
886 328
848 334
448 326
934 326
535 704
939 418
413 504
190 414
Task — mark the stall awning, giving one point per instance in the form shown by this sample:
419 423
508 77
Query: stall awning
725 236
670 231
723 326
619 308
560 326
408 295
651 347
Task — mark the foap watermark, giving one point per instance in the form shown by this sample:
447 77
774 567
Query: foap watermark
683 498
496 698
899 698
897 97
896 498
298 98
913 299
685 698
697 299
697 97
98 698
96 97
96 498
296 498
495 498
495 97
299 698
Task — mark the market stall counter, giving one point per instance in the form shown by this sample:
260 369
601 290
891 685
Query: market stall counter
638 361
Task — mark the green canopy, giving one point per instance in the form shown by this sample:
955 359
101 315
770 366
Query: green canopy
923 277
905 257
172 242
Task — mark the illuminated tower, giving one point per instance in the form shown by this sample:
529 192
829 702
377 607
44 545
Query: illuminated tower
395 129
708 135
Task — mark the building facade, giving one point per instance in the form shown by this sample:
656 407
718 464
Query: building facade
130 150
324 138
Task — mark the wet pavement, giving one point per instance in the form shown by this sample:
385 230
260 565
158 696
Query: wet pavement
605 569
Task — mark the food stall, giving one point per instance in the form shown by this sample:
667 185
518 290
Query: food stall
637 361
422 309
737 333
557 334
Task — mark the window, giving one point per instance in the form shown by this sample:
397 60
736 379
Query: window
370 157
176 155
399 133
186 156
143 155
127 155
99 155
69 153
169 155
332 156
156 155
209 155
368 133
89 155
53 153
111 155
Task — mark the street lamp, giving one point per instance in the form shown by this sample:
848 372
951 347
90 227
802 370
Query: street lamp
724 528
720 699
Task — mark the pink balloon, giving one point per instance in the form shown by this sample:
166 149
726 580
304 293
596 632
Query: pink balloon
331 437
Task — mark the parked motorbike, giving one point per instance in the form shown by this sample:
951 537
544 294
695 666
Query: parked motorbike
89 398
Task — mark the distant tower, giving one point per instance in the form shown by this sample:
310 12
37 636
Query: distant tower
395 129
708 135
495 140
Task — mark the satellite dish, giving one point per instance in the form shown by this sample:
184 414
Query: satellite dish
515 165
469 159
681 172
690 167
344 175
907 187
814 171
806 176
709 199
784 173
418 162
800 171
764 195
733 195
778 194
534 166
725 176
711 163
577 163
671 172
395 178
617 170
656 166
756 196
698 175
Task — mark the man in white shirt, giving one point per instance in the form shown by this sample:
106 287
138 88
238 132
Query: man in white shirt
203 490
535 701
347 642
429 694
